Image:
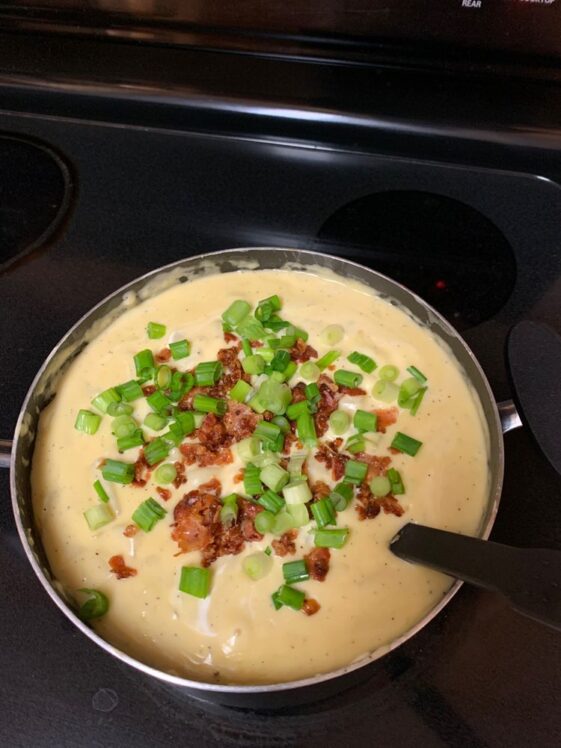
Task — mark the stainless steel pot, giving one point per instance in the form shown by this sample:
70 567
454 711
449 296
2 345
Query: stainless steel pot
499 418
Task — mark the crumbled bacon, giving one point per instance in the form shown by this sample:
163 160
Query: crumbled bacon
247 514
328 453
180 478
285 544
376 465
319 490
212 433
238 477
130 531
329 399
352 391
300 352
229 337
317 561
120 569
163 356
239 421
289 440
227 542
369 507
386 417
310 606
141 470
203 457
148 389
197 517
164 493
255 343
299 392
233 370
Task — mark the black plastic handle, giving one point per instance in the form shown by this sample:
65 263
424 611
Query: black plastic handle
529 578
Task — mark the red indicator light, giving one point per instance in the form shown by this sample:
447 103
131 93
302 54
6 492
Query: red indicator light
440 284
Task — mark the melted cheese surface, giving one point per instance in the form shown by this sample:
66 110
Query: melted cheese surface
368 598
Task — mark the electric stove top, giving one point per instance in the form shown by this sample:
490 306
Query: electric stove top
105 173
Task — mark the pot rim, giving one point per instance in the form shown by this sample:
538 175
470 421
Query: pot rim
493 501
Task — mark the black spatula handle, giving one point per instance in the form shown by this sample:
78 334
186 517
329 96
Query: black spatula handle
530 578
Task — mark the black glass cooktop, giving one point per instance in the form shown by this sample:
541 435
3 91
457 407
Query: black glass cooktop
477 234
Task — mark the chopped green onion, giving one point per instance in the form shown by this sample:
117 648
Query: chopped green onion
266 458
295 571
299 514
159 403
155 422
331 538
285 341
105 398
355 443
251 481
181 384
101 492
271 501
389 373
296 463
275 323
339 422
267 354
136 439
280 360
323 512
251 328
310 371
282 522
156 451
282 423
306 430
236 312
416 401
347 378
380 485
231 498
248 448
208 373
365 421
332 334
396 482
195 581
246 347
165 473
341 496
385 391
407 444
172 438
118 472
297 492
276 601
290 597
143 361
408 388
207 404
267 430
123 426
267 307
254 364
313 395
257 565
264 522
289 372
184 423
326 360
364 362
119 409
419 376
355 471
297 332
229 514
95 606
155 330
180 349
163 376
87 422
295 410
272 396
274 477
98 516
268 551
199 418
147 514
240 391
130 391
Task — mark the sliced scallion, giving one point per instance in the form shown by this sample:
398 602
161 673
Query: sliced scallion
165 473
163 376
254 364
299 514
271 501
208 373
339 422
365 421
136 439
236 312
364 362
147 514
119 409
156 451
385 391
290 597
419 376
116 471
267 307
380 485
95 606
389 373
159 403
240 391
347 378
355 471
87 422
310 371
295 410
306 430
341 496
355 444
274 477
144 360
331 538
297 492
248 448
155 422
295 571
257 565
251 481
98 516
155 330
406 444
195 580
264 522
207 404
332 334
180 349
130 390
105 398
101 492
326 360
282 522
416 401
280 360
323 512
396 482
282 423
251 328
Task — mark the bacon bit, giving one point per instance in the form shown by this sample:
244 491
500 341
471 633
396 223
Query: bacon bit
248 512
285 544
148 389
141 471
163 355
267 415
118 567
391 505
130 531
386 416
212 433
376 465
227 542
203 457
165 494
300 352
310 606
238 477
317 561
255 343
239 421
180 477
393 451
328 454
289 440
329 399
331 367
319 490
229 337
369 507
197 517
352 391
233 370
299 392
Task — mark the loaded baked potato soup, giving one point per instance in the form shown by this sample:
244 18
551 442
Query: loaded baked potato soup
219 476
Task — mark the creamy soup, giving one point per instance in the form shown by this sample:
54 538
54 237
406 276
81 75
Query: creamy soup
235 634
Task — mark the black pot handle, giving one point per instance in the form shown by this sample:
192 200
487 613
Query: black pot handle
5 453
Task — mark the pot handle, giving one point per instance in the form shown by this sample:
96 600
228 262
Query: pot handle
5 453
510 418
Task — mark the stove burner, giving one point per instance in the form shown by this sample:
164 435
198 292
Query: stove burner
450 254
34 197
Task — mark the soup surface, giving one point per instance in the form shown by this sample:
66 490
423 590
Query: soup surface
236 634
